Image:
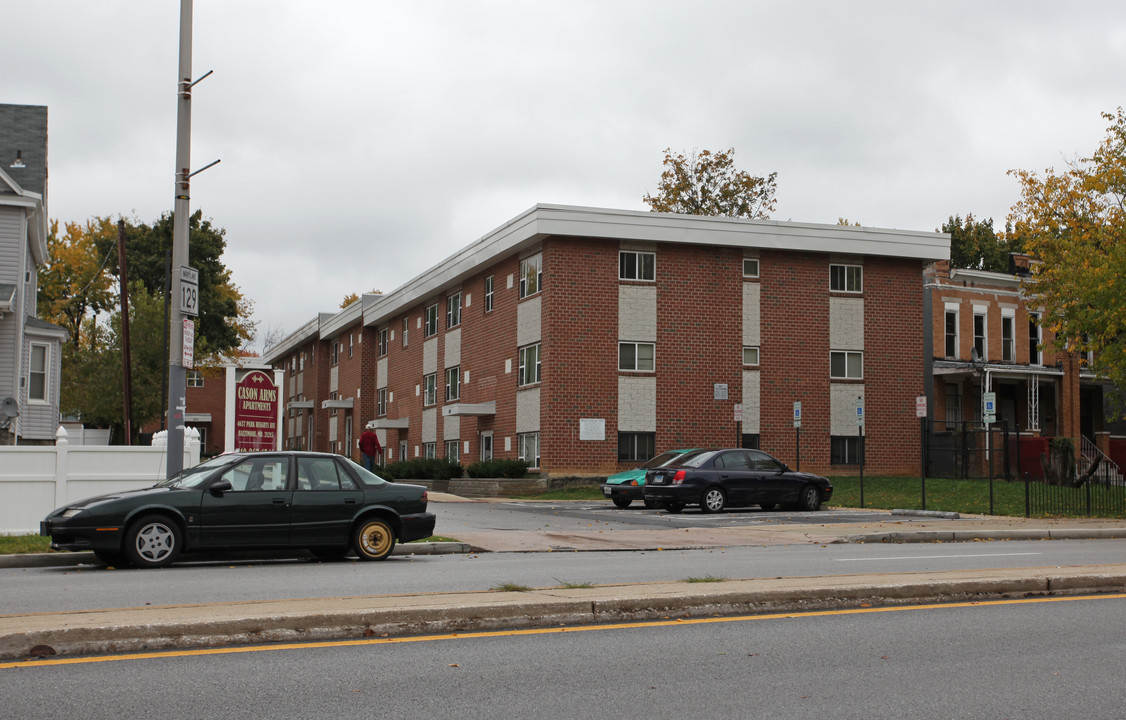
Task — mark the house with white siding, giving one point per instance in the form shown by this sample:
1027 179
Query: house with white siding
30 348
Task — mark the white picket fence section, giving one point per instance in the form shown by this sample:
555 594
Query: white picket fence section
36 479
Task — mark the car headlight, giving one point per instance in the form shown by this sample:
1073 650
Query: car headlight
70 512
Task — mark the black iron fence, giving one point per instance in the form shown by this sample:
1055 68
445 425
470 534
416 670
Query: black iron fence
1000 454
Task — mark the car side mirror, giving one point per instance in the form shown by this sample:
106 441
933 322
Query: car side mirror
784 469
221 487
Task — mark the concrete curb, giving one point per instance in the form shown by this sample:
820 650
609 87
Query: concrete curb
224 624
66 559
925 536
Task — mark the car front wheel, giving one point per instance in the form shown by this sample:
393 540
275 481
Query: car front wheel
152 542
810 498
713 500
374 539
622 502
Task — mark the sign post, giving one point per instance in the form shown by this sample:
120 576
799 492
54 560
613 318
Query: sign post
921 413
860 441
797 433
738 412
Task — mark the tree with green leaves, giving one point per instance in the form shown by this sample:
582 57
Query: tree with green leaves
707 183
1073 221
976 246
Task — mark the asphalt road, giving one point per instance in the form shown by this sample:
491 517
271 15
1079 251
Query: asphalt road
90 587
1026 659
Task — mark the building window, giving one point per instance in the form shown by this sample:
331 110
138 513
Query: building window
351 343
381 402
528 448
750 267
453 310
750 441
453 384
430 389
452 450
333 352
406 327
382 342
846 364
953 403
489 294
430 450
334 396
431 327
531 275
636 446
1008 342
844 450
979 335
195 379
528 370
1034 356
846 278
636 356
952 334
637 265
38 372
750 356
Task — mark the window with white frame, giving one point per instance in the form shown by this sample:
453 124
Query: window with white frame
489 294
430 329
636 446
1008 339
453 310
38 372
951 333
846 278
528 448
528 366
430 389
334 396
382 345
634 265
195 379
750 267
531 275
406 327
333 352
1034 354
430 450
636 356
980 343
453 383
381 402
351 343
452 450
846 364
750 356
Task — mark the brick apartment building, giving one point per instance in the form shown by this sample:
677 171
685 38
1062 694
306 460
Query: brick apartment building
1040 392
585 340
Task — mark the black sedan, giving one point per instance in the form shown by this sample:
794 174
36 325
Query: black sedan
718 478
248 501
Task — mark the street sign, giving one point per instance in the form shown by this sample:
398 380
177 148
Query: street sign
189 291
797 413
189 343
738 412
989 407
860 412
921 406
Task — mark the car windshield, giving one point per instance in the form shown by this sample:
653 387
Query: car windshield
195 475
696 459
366 476
663 459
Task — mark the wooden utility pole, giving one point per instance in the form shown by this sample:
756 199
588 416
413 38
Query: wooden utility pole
126 364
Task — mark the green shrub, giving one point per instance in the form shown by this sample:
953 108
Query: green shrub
498 469
421 469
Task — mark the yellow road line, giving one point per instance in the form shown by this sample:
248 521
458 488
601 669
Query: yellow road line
536 631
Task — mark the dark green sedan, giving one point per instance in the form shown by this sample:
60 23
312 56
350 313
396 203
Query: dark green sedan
248 501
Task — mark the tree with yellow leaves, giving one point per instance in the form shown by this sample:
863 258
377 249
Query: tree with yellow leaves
1074 223
75 282
707 183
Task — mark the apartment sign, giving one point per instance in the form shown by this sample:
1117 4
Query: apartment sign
256 412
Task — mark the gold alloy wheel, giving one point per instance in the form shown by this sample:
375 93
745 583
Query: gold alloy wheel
374 540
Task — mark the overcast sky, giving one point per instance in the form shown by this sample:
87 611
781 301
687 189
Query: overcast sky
363 141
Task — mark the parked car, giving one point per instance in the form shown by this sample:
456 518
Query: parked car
248 501
719 478
625 487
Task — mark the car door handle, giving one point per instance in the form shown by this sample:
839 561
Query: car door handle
279 501
349 501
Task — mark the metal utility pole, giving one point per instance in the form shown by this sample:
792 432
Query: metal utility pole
177 378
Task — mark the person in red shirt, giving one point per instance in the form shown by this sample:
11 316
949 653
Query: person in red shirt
369 445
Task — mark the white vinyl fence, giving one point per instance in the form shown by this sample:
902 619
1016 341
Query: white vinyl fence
34 480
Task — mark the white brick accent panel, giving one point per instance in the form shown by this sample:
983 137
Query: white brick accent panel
637 404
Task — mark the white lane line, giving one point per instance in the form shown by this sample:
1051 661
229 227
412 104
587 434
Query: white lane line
934 557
